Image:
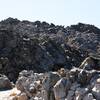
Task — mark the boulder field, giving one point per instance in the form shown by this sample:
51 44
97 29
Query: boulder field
43 47
44 61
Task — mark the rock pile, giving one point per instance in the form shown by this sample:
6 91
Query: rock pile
5 83
42 47
84 36
37 46
74 84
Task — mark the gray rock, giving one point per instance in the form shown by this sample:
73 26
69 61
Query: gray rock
73 74
48 83
74 86
61 88
80 93
42 47
29 82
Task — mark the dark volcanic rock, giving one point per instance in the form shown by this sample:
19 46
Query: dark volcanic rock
41 47
85 28
84 36
4 83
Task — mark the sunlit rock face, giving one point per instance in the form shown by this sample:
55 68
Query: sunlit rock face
55 86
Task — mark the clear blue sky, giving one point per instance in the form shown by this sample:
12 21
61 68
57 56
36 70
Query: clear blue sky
61 12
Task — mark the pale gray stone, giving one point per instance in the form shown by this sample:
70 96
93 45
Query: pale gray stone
61 88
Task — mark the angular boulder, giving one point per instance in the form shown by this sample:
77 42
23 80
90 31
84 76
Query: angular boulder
48 83
61 88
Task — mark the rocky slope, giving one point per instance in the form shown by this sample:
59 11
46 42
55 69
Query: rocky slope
42 47
74 84
85 36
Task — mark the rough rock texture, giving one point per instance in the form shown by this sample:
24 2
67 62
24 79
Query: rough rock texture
96 89
41 47
61 88
5 83
85 36
49 81
38 47
29 83
52 86
75 84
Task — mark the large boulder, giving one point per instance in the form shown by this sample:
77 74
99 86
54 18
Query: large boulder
91 62
61 88
48 83
29 82
87 64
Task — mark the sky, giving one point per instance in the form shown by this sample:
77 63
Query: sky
59 12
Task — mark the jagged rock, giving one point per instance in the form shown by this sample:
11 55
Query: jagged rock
96 89
35 89
91 62
5 83
29 82
20 84
73 74
84 77
51 85
61 88
48 83
42 47
63 72
84 36
87 64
